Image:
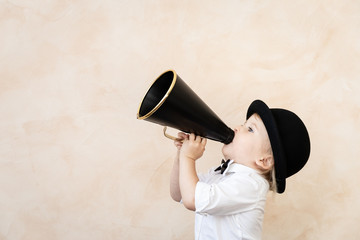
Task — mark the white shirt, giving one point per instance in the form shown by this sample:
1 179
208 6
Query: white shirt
230 205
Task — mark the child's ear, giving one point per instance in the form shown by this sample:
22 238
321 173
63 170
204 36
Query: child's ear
265 163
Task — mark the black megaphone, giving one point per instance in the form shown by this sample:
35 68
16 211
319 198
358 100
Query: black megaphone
171 102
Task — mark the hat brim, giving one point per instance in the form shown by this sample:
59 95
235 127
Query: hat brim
268 119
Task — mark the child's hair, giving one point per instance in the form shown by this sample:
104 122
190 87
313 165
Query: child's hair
270 174
270 177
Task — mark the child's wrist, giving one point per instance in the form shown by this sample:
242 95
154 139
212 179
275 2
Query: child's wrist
185 157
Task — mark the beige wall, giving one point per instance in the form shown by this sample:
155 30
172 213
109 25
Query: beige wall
75 163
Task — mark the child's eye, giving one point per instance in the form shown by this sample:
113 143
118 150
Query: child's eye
250 129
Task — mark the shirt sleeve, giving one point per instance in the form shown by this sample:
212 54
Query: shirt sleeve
231 196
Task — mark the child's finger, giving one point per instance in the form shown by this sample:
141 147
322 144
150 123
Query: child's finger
177 143
182 135
192 137
203 141
178 146
198 138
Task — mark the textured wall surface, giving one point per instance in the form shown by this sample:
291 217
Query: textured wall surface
75 163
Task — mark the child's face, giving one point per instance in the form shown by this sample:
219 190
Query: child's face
250 143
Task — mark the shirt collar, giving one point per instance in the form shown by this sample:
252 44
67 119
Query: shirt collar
234 167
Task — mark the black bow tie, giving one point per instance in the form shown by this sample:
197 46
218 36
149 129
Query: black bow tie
223 166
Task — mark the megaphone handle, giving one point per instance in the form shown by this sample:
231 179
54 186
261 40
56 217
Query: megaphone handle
171 137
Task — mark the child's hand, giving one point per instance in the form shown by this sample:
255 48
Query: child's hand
182 136
193 147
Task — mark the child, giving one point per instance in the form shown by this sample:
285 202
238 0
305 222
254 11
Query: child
229 201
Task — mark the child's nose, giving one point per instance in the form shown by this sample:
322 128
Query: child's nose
238 128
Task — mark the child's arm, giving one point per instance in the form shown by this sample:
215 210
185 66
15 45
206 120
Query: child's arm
174 177
191 150
174 180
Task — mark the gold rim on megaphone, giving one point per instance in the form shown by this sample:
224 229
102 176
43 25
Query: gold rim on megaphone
161 101
159 105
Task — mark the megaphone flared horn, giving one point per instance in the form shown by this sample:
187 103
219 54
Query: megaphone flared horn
171 102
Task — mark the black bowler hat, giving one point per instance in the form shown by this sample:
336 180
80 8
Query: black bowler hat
289 140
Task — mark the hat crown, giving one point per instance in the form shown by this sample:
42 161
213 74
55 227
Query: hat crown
294 139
